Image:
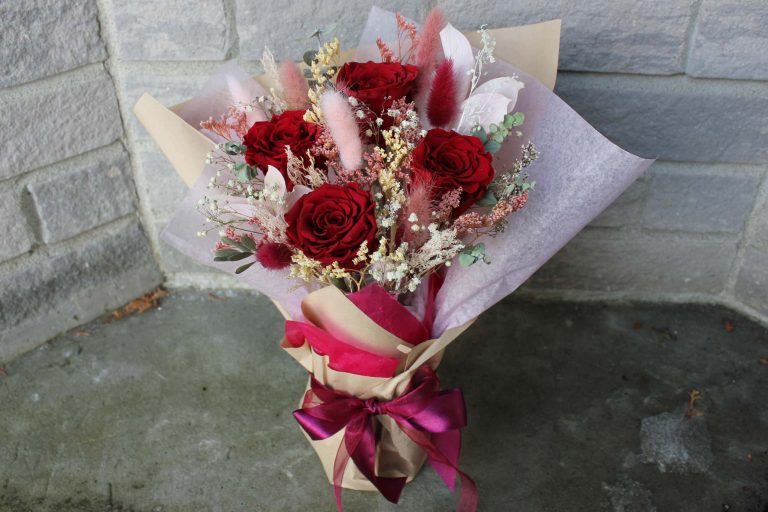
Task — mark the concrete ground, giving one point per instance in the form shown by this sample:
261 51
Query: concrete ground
188 408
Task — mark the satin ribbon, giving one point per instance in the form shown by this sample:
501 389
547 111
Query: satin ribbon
429 417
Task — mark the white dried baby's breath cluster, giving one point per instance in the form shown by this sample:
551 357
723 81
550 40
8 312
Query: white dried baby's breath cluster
442 246
302 174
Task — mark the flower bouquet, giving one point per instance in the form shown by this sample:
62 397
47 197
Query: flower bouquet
383 198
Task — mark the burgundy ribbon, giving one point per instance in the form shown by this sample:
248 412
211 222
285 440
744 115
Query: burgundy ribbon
430 417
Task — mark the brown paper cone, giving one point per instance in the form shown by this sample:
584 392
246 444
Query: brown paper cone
396 454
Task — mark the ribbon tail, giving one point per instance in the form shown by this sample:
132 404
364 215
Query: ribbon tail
364 456
339 466
449 444
441 462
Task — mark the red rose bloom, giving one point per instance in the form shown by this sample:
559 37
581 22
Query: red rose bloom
329 223
377 84
450 160
265 141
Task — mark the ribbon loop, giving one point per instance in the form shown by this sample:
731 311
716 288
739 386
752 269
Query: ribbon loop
429 417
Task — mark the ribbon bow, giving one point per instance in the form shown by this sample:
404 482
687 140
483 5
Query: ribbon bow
429 417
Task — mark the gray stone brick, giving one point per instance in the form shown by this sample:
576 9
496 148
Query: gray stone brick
700 199
17 235
652 265
674 118
48 126
83 198
599 35
169 89
172 29
50 293
625 211
286 32
40 38
162 189
752 281
730 40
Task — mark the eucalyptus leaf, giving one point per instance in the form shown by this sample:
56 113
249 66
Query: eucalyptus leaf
310 55
466 260
479 132
234 148
492 146
516 119
488 200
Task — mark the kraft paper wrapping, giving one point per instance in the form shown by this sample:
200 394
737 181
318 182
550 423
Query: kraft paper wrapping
396 454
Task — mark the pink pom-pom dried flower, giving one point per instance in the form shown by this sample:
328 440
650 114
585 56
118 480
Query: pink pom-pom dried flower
273 256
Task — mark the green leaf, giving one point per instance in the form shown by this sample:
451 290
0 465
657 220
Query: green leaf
223 254
307 73
493 128
512 120
310 55
243 268
244 172
234 148
240 256
492 146
466 260
248 243
479 132
488 200
478 249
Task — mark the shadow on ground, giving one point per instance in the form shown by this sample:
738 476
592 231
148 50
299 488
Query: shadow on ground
573 407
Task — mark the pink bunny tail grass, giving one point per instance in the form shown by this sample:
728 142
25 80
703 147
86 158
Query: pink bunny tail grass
429 39
345 131
294 85
419 208
443 104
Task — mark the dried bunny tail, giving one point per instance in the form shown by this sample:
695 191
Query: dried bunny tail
418 212
295 87
340 120
429 39
443 104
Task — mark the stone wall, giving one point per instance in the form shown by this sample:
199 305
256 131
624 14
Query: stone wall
685 81
73 246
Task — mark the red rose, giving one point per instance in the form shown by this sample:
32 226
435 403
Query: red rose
265 141
329 223
377 84
450 160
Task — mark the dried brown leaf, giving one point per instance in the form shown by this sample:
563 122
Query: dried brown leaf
138 306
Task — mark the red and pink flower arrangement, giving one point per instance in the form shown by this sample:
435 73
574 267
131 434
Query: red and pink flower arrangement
372 199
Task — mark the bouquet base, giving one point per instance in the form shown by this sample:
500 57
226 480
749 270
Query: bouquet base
396 456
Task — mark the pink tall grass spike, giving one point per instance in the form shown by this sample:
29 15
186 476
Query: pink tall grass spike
429 39
443 102
340 119
419 208
295 87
